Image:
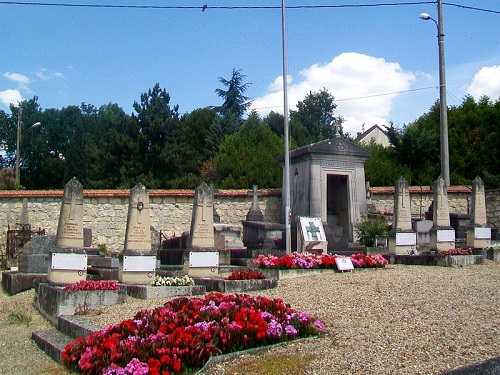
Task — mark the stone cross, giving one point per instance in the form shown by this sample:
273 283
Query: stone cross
254 193
402 209
313 229
201 234
441 211
478 204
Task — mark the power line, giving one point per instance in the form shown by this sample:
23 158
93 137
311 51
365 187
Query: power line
206 7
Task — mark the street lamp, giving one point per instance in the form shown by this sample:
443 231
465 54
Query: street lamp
443 117
18 143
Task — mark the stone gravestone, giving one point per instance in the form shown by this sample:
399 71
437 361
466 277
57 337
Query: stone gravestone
68 260
442 234
255 214
478 232
138 263
201 244
402 237
311 235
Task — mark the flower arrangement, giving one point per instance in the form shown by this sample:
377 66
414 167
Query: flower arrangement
92 285
172 281
185 332
456 251
246 275
309 261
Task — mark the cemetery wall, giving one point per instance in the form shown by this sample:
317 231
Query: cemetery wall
105 211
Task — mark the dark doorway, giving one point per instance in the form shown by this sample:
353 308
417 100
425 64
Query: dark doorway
337 228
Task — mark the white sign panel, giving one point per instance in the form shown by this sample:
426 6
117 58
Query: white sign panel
482 233
406 239
139 263
69 261
312 229
204 259
445 235
344 264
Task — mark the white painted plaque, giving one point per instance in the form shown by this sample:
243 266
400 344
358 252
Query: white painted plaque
204 259
482 233
139 263
344 264
406 239
445 235
69 261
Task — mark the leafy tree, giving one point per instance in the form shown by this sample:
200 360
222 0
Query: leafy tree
247 157
276 122
312 120
383 168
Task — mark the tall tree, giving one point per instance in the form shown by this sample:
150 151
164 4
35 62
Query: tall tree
312 121
235 102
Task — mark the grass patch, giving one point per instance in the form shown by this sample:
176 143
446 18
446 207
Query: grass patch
274 364
20 318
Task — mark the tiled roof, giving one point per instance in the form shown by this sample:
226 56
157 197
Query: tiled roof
420 189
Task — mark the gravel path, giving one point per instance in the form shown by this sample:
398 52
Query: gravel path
398 320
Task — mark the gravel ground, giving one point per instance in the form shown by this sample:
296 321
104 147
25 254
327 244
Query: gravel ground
398 320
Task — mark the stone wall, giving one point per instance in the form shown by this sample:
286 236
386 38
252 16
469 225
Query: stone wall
105 211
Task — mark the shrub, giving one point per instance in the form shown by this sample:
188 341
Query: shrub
371 227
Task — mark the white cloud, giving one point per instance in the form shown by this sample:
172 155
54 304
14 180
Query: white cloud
44 74
8 97
486 82
359 83
17 77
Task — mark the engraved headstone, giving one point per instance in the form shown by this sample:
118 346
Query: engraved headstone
478 232
402 237
202 222
70 227
442 234
138 265
138 233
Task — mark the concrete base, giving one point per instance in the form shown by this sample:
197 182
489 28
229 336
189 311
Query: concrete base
136 277
65 277
474 242
439 245
154 292
293 273
460 260
15 282
235 286
492 254
400 247
201 271
52 301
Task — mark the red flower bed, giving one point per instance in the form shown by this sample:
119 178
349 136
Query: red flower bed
246 275
185 332
467 251
92 285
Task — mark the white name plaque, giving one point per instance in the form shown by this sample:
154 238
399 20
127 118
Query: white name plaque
344 264
204 259
406 239
69 261
445 235
139 263
482 233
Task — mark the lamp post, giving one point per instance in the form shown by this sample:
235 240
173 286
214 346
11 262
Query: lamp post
286 179
18 143
443 117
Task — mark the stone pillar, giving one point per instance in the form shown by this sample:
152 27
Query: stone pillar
138 263
442 234
478 231
402 237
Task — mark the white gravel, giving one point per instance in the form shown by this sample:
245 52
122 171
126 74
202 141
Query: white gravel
398 320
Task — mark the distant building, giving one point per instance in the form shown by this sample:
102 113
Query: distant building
376 133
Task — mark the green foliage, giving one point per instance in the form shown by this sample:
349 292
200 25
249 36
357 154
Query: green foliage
383 168
7 179
248 157
369 228
20 318
235 102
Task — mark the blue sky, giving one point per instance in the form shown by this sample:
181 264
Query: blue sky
69 55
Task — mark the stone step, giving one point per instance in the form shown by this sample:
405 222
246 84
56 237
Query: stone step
75 326
52 342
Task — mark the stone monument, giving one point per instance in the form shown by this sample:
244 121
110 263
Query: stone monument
442 234
478 231
68 260
202 259
138 264
402 237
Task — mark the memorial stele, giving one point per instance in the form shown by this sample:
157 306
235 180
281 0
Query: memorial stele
478 231
402 237
442 234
